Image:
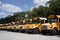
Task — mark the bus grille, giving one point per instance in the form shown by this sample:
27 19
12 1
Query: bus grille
44 27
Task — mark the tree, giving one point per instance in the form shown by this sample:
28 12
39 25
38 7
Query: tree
55 6
34 12
40 11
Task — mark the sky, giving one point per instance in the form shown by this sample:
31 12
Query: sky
9 7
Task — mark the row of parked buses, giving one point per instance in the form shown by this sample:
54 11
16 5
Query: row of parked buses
51 24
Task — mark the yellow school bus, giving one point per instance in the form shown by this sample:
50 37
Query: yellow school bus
34 25
3 26
9 27
12 26
21 26
17 26
52 25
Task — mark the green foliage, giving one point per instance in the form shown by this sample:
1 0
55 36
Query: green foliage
55 6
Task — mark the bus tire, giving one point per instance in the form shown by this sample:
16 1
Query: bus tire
36 31
55 31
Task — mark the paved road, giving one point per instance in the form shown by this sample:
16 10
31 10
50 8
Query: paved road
4 35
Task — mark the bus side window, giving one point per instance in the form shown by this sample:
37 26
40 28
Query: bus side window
59 20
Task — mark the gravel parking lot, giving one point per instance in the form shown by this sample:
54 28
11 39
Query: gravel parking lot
5 35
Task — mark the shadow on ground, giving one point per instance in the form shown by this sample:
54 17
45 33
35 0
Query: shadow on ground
58 35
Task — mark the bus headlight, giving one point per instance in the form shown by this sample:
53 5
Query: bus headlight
50 27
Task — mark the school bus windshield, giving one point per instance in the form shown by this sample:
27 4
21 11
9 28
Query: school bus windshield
33 22
53 20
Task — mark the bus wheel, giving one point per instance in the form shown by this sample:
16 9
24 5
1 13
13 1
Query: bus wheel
26 31
36 31
55 31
